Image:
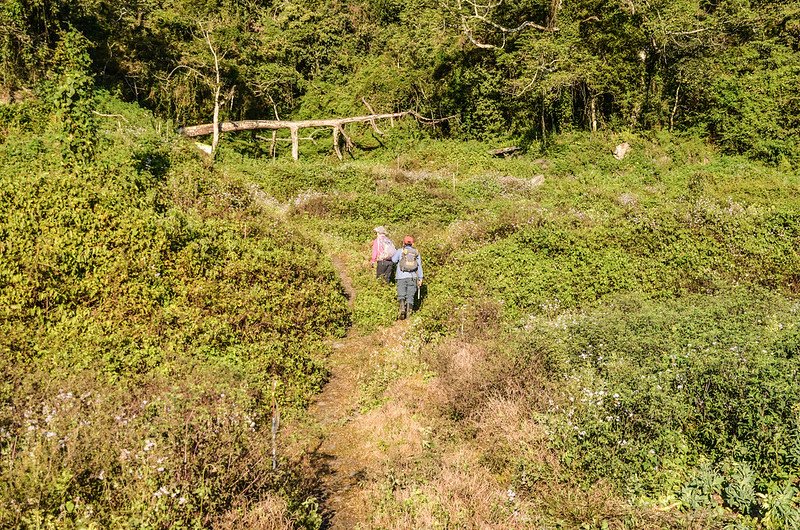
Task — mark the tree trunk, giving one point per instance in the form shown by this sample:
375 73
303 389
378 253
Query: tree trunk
215 139
552 18
217 90
336 143
336 124
295 143
674 108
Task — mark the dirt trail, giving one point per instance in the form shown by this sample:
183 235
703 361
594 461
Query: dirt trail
342 459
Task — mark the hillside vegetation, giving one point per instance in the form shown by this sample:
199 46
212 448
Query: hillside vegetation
586 321
152 310
599 343
724 69
638 318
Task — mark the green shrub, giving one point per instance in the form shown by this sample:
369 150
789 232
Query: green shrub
654 388
180 300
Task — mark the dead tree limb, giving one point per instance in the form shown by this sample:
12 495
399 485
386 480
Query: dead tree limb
474 14
306 138
217 90
336 124
372 111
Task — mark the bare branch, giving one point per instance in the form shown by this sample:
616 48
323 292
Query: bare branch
481 14
684 33
309 138
372 111
198 73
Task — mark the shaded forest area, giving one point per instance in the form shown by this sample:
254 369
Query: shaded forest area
722 69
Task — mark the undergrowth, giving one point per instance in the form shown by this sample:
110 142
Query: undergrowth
152 311
598 337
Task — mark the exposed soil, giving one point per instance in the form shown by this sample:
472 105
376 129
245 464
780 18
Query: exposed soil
343 459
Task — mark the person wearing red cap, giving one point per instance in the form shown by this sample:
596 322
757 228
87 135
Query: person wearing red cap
408 276
382 252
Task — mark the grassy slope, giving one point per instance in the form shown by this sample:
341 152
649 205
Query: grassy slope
151 309
576 308
637 309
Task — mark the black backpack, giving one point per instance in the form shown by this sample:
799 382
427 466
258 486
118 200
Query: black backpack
408 260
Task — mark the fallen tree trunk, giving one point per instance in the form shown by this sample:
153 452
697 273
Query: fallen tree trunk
336 124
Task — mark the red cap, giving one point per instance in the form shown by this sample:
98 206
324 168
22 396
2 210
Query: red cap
408 240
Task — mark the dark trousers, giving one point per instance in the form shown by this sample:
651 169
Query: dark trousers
406 290
383 269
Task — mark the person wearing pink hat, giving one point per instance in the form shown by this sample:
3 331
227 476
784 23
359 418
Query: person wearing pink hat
382 252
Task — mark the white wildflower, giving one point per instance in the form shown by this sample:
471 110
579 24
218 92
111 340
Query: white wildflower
161 491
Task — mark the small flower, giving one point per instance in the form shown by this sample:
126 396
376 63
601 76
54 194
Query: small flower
160 492
149 444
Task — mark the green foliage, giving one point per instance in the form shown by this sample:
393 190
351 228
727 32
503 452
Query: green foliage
176 298
740 492
653 388
656 293
700 491
526 70
72 97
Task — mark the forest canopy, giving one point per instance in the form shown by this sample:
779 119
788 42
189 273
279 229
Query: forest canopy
721 69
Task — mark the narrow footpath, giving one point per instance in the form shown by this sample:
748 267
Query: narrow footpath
345 457
344 451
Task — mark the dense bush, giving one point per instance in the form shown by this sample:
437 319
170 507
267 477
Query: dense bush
151 309
153 303
652 390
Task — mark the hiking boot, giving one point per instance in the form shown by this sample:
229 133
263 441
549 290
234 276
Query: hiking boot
409 310
402 306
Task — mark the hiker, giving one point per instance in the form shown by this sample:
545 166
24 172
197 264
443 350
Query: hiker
408 276
382 252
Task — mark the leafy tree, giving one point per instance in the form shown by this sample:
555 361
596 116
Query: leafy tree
73 99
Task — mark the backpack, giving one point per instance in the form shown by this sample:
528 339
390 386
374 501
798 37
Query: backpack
408 260
385 248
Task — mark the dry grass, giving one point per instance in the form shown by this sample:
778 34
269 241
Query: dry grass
270 513
514 184
461 494
506 429
455 443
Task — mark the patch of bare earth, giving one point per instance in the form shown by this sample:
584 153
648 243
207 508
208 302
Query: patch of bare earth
355 445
